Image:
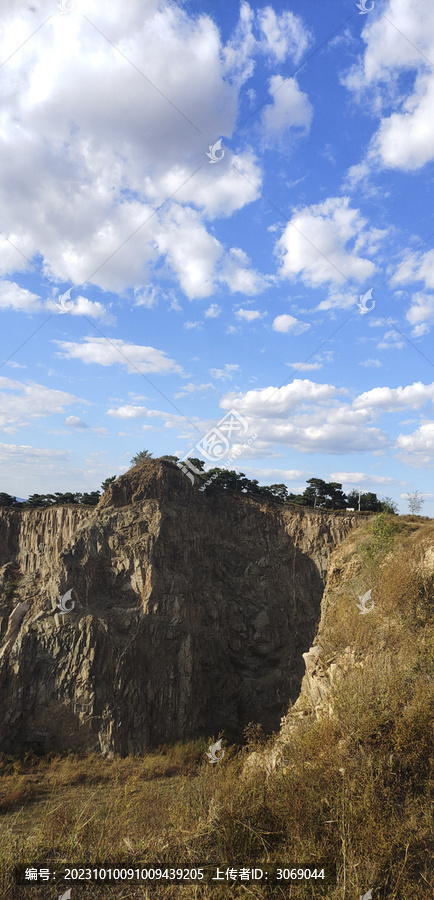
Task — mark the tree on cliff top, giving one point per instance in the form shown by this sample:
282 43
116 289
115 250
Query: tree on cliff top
7 500
140 457
107 482
415 501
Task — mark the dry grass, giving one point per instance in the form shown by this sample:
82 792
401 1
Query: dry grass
356 793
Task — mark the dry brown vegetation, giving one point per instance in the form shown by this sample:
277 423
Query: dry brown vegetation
355 794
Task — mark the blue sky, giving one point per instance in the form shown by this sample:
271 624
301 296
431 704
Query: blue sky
196 287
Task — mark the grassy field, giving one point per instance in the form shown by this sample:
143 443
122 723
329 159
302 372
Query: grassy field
356 792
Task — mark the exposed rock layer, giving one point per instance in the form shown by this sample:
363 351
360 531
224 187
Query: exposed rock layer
192 612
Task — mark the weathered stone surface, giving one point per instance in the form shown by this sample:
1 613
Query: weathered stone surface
192 612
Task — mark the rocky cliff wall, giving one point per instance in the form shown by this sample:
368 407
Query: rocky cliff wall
380 632
192 612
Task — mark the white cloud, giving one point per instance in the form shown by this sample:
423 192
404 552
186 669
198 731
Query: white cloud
399 41
285 323
310 417
279 37
14 297
405 140
232 184
249 314
134 357
371 363
193 326
421 312
239 276
276 401
213 311
128 411
273 475
391 339
391 399
191 252
284 35
417 449
426 270
20 403
115 164
307 367
227 372
81 306
75 422
313 245
192 388
238 53
359 478
290 109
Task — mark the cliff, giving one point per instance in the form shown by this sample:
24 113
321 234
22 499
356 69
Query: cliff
191 613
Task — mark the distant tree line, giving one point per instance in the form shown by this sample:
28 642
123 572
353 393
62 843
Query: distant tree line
318 494
57 499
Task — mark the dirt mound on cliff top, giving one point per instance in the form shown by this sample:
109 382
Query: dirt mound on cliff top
151 479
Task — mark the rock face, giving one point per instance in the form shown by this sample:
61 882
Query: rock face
191 613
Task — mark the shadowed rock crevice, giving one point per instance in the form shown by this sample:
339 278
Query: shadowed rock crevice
192 612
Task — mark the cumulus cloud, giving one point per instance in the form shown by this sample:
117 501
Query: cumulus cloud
391 340
14 297
275 401
81 306
417 449
134 357
399 41
278 36
311 417
290 110
286 323
239 276
314 247
390 399
421 312
283 35
192 252
115 164
129 411
75 422
359 478
20 403
213 311
249 315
